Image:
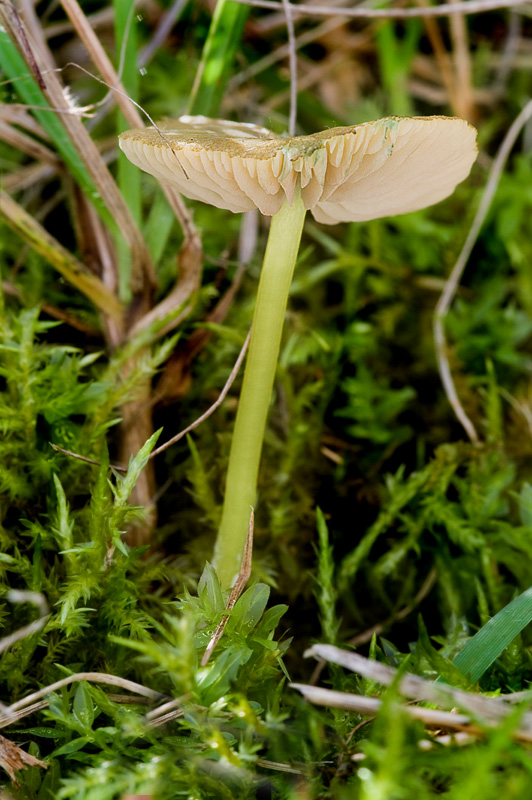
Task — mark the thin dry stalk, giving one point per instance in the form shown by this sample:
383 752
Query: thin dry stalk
412 686
14 114
94 677
370 706
292 61
166 23
488 711
443 59
171 311
28 145
136 425
283 51
441 10
463 94
37 599
451 286
218 402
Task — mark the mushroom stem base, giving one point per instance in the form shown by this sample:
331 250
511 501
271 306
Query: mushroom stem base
246 447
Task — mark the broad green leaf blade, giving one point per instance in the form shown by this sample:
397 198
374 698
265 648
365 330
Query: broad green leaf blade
217 57
487 645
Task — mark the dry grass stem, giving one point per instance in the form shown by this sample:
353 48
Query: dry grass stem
371 706
487 711
128 108
142 273
218 402
162 31
442 57
59 257
492 710
292 61
171 311
95 677
451 286
463 96
441 10
28 145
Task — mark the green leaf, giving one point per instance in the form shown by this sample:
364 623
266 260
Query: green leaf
217 58
486 646
71 747
125 484
444 666
210 592
250 607
83 706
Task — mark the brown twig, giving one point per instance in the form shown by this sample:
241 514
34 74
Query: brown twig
13 22
142 273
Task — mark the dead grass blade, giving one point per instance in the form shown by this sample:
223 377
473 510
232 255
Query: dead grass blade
14 758
128 108
59 257
487 711
370 706
142 273
28 145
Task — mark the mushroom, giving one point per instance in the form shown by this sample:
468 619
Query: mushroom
357 173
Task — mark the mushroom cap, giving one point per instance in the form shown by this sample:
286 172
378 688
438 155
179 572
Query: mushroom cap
375 169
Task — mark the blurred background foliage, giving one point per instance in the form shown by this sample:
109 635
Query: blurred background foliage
418 519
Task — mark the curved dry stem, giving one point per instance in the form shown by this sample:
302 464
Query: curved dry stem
453 281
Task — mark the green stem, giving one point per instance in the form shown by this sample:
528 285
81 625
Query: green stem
244 458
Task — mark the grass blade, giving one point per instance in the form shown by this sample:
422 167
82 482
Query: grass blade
128 175
487 645
217 58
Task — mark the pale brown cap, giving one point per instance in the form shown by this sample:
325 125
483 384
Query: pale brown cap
362 172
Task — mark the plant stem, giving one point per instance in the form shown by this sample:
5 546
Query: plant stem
246 447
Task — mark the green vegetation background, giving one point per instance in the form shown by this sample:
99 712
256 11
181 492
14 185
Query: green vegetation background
423 533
